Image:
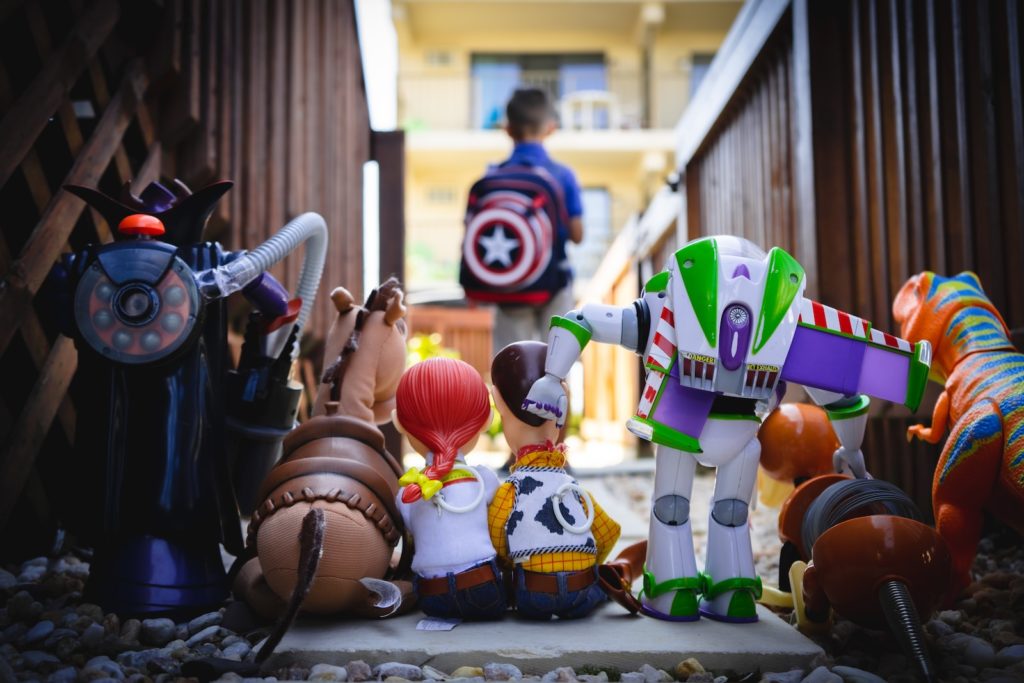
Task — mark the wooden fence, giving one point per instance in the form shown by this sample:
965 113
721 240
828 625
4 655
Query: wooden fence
465 330
268 93
872 139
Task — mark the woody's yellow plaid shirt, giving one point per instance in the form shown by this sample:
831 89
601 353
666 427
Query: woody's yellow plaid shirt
605 529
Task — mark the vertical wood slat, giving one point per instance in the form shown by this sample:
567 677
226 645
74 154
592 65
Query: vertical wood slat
918 158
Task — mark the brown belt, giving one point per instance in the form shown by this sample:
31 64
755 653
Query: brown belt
548 583
467 579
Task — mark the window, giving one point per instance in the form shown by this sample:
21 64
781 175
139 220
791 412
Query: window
496 76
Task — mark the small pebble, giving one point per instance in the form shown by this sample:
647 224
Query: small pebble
39 631
157 631
238 650
432 674
822 675
470 679
632 677
652 675
181 632
37 658
93 636
721 679
409 672
938 628
468 672
852 675
791 676
163 665
204 621
138 659
202 636
688 667
101 666
130 630
701 677
31 574
112 624
563 674
66 675
499 671
209 650
58 634
7 579
1009 656
601 677
951 616
94 612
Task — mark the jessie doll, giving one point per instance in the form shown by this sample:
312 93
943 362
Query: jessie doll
442 407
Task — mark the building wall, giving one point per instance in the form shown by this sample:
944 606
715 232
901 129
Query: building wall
436 44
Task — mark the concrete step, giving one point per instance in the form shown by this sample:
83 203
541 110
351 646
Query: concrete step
608 638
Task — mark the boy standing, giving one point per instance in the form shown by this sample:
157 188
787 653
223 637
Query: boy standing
530 119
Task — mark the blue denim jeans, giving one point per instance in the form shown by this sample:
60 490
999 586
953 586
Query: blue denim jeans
485 601
565 604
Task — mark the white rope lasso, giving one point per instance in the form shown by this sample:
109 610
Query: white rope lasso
440 502
571 487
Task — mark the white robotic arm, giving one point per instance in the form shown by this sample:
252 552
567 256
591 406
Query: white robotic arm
849 416
568 335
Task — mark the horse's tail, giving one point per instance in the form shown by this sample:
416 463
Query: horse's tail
311 549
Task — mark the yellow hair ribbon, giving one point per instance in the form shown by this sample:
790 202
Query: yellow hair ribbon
428 486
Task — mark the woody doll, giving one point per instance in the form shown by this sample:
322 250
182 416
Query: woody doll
543 524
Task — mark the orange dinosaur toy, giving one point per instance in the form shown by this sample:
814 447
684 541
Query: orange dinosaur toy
982 463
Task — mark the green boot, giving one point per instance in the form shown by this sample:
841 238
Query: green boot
685 604
742 607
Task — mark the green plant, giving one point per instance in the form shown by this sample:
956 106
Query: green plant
422 346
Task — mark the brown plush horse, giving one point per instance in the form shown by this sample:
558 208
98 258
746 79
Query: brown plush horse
332 495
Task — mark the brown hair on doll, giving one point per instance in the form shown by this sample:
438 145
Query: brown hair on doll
513 372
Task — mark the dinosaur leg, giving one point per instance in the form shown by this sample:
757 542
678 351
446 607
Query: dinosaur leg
964 480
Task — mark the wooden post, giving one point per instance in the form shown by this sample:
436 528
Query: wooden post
387 148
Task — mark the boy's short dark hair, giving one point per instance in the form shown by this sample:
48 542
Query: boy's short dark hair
528 112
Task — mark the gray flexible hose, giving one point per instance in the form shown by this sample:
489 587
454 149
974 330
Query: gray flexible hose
232 277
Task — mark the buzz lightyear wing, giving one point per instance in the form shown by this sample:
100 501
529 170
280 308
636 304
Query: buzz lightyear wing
842 353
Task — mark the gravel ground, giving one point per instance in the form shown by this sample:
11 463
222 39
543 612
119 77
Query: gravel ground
48 634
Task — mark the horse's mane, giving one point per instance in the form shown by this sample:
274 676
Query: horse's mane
386 297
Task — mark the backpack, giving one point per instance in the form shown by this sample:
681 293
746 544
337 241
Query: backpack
513 251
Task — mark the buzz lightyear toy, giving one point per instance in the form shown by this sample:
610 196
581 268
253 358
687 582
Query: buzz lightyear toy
720 331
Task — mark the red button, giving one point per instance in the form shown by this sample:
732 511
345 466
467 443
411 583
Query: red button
141 224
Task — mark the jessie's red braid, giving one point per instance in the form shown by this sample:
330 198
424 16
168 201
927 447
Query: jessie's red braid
443 402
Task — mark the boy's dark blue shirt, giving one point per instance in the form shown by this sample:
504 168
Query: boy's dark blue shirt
534 154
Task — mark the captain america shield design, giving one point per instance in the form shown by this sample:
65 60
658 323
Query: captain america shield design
507 245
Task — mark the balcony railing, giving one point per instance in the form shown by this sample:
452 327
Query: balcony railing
461 101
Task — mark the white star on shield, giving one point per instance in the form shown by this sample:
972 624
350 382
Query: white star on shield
498 247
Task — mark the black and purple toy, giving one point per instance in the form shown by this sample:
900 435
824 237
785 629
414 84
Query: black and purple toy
147 312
